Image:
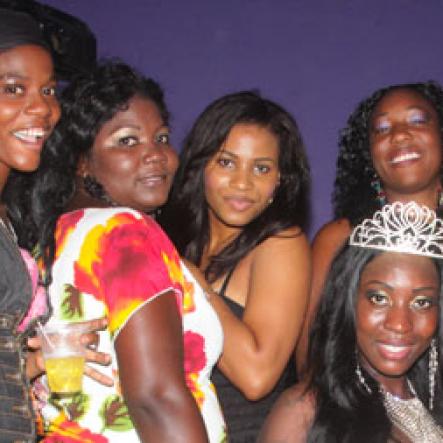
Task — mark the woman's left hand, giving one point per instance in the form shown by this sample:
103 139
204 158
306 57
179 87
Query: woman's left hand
35 364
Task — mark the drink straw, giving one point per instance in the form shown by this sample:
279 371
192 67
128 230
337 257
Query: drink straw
45 335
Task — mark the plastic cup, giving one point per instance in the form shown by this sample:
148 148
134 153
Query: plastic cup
64 356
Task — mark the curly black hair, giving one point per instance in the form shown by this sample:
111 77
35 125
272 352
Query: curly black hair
36 200
188 204
353 197
345 411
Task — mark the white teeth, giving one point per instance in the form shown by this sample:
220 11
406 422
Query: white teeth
405 157
31 135
392 348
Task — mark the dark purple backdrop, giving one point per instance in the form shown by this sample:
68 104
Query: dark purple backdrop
317 58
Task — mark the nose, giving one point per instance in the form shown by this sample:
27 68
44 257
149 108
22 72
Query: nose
241 179
39 105
400 132
153 152
398 319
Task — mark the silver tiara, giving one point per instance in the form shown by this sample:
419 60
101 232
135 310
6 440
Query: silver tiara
401 227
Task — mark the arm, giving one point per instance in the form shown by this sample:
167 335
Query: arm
257 347
290 418
325 246
150 359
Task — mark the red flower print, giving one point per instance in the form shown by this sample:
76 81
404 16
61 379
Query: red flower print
194 353
65 225
121 264
195 361
70 432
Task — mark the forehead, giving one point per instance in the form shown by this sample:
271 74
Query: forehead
402 99
25 58
138 111
391 266
252 140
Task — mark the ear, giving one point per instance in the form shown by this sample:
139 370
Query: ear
83 166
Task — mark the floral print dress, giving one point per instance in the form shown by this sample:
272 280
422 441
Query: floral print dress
111 262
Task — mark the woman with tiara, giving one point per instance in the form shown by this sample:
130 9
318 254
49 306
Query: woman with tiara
376 344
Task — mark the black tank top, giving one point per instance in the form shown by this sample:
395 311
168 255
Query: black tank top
244 418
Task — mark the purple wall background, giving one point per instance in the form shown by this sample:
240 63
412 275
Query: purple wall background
317 58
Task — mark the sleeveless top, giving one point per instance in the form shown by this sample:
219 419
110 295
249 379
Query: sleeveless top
244 418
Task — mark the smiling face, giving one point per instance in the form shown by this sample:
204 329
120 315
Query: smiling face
396 313
405 141
131 157
242 176
28 106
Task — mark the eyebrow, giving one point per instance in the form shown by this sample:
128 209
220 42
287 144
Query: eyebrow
425 288
133 126
422 288
409 108
17 76
224 151
7 75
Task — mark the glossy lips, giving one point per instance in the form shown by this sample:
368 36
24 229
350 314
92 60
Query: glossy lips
239 204
394 352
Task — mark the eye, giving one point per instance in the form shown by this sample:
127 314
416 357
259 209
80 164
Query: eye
422 303
14 89
50 91
381 127
128 140
377 298
418 118
225 162
163 138
262 169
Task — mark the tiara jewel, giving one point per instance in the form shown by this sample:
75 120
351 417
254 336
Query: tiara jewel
401 227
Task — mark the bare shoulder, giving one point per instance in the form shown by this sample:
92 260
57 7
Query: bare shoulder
291 417
291 239
333 233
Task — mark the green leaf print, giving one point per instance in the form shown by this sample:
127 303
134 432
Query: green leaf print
78 406
114 414
224 438
71 303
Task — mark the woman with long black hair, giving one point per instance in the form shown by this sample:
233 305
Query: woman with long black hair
375 354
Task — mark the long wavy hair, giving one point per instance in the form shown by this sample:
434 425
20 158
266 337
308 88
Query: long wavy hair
188 204
36 200
345 411
353 197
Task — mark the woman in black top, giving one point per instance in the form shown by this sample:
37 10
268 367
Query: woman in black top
238 195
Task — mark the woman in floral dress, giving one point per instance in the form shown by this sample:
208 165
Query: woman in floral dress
110 165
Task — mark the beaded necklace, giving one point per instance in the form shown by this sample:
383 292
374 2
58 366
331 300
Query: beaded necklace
412 418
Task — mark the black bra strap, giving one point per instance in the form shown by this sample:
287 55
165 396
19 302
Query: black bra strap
224 286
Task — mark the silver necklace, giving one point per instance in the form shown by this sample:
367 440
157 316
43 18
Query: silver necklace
412 418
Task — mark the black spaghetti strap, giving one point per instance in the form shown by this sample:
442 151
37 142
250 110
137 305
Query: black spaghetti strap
222 291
